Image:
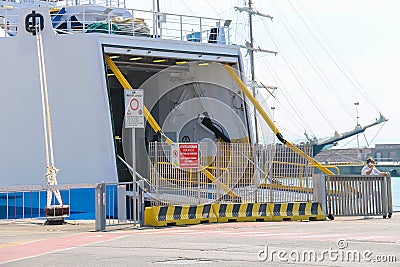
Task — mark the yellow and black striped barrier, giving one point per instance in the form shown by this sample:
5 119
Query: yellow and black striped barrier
233 212
242 212
179 215
297 211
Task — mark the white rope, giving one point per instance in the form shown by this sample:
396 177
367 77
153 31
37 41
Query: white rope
43 102
46 97
51 170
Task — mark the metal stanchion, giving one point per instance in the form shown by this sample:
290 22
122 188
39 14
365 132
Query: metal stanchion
141 203
101 207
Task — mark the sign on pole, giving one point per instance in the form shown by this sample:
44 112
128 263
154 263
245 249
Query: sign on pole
134 117
185 155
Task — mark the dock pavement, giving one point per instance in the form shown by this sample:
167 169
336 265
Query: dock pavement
345 241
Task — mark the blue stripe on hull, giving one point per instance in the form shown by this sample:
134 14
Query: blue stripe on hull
81 201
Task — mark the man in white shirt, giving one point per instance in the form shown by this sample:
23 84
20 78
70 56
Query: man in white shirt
370 169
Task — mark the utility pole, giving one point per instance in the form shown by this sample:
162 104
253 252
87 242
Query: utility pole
250 51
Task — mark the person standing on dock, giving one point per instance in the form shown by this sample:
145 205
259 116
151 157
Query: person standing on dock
370 168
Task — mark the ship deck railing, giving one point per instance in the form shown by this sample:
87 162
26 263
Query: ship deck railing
128 22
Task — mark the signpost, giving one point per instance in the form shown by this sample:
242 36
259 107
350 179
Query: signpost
134 116
185 155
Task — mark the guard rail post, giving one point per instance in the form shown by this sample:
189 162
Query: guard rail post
141 203
121 193
101 207
389 196
389 180
319 190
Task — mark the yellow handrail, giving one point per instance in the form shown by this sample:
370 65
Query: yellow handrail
125 84
271 124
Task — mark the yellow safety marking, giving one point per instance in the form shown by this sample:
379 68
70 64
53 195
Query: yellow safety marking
270 123
153 123
125 84
170 213
232 212
179 215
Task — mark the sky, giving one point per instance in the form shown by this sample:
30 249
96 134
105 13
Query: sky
331 55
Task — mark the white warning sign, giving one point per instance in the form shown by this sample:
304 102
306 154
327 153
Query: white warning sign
134 115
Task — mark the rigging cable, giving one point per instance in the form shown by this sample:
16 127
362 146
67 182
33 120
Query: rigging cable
353 80
372 140
289 100
313 63
300 80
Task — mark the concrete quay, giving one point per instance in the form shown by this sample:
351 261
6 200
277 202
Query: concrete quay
345 241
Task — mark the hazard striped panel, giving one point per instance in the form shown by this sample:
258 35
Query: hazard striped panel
233 212
242 212
179 215
297 211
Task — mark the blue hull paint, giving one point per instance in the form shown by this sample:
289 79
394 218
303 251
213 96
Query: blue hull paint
32 204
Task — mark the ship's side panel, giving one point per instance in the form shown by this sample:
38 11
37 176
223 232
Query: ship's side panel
80 117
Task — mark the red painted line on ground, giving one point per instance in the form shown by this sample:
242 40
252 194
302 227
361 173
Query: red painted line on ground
45 246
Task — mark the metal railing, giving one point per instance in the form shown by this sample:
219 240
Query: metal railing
112 3
356 195
29 202
114 204
8 22
231 172
127 22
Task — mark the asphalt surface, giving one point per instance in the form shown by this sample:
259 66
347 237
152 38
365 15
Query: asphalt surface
349 241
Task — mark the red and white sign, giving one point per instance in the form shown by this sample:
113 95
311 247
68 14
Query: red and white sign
134 117
185 155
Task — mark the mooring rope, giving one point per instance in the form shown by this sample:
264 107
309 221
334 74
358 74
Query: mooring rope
43 99
46 98
51 170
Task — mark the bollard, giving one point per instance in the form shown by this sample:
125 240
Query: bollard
101 207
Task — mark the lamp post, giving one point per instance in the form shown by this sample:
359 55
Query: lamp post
356 104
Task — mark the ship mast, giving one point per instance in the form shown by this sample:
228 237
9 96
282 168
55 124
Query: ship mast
251 55
250 51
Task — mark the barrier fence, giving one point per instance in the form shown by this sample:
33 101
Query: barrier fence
356 195
231 172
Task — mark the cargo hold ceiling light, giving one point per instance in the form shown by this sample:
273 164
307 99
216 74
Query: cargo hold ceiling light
181 62
114 56
135 58
203 64
159 60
